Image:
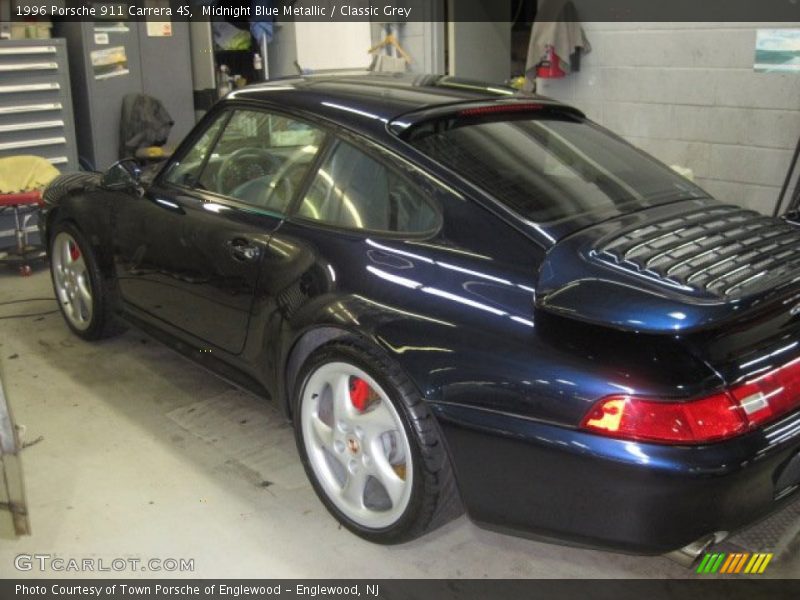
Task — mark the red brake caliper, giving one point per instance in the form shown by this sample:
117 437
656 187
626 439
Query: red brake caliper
74 251
359 393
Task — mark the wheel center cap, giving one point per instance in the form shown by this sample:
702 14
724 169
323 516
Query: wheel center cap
353 446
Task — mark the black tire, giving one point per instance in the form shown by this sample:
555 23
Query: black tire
101 323
434 498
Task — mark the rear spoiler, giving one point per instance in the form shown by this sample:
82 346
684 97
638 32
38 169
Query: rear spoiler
471 109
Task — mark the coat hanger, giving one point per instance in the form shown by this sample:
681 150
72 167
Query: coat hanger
391 40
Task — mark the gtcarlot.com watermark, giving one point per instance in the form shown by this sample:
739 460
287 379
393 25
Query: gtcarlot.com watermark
58 564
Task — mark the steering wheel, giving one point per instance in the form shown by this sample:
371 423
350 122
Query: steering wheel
243 165
281 189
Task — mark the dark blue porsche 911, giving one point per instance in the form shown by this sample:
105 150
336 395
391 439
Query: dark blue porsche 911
464 298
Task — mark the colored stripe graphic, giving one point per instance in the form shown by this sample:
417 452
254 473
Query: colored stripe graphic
741 562
764 564
731 560
734 560
701 568
734 563
753 563
711 563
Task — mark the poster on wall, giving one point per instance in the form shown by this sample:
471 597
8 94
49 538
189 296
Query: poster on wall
777 51
346 46
158 28
109 62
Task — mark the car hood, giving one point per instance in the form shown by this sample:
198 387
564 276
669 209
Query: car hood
675 268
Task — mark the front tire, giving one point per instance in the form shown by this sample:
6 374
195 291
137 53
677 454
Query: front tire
79 285
370 446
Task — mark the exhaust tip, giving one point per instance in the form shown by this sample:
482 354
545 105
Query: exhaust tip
689 554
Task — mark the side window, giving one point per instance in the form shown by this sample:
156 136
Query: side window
354 191
261 159
186 170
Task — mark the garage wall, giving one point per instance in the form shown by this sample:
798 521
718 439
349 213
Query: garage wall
422 40
687 93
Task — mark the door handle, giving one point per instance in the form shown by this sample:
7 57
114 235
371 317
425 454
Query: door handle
168 204
242 250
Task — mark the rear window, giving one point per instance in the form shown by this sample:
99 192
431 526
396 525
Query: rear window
551 169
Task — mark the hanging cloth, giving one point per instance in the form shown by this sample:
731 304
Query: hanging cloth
556 26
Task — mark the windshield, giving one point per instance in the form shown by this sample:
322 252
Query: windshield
548 170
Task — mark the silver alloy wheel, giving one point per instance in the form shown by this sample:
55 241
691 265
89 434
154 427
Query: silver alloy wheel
361 458
71 279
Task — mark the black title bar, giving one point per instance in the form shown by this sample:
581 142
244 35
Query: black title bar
365 589
402 11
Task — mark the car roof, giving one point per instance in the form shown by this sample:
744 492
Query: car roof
371 104
368 101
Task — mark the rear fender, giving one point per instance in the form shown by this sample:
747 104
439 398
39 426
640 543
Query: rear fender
551 372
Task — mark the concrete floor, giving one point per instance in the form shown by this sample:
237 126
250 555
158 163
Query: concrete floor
143 454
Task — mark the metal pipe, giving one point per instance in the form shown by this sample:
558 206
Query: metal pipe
788 179
265 57
689 554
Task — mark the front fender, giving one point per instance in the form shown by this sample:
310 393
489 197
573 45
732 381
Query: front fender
77 197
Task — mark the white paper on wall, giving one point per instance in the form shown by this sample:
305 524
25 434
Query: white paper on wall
342 45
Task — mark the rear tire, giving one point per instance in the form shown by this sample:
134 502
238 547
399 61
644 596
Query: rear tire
80 288
370 446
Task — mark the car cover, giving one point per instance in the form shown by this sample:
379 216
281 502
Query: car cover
144 122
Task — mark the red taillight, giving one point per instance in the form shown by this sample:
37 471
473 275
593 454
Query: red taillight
494 109
706 420
713 418
770 394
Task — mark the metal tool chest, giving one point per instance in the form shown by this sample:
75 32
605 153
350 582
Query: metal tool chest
36 114
36 103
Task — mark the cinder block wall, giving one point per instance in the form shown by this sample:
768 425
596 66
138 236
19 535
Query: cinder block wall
687 93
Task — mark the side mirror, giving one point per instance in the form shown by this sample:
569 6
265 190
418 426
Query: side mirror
792 217
124 176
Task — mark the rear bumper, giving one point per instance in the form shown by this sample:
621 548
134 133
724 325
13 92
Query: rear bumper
531 478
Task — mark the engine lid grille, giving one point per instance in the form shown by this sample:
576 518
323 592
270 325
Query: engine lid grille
725 251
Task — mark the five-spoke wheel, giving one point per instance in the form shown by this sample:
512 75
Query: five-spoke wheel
71 281
79 285
357 444
370 445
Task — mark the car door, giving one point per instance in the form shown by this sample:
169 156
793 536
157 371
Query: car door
188 252
13 508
